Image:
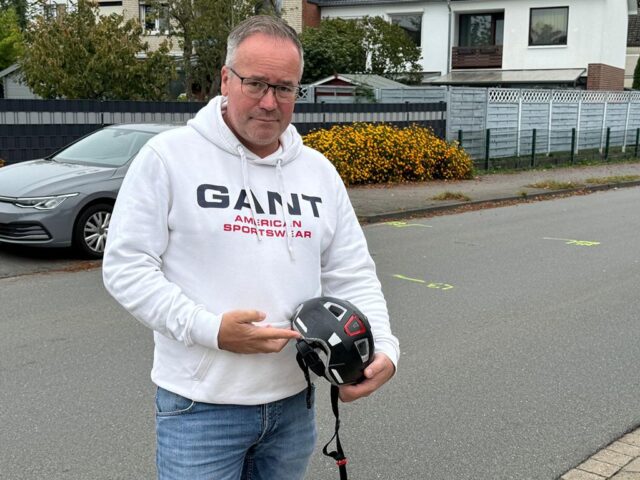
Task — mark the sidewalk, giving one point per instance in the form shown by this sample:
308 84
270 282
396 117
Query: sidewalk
621 459
380 203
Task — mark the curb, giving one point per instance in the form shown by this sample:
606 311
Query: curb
416 212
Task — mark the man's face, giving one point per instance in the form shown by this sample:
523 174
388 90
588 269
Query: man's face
258 123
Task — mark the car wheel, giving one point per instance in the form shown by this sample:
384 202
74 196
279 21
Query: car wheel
92 226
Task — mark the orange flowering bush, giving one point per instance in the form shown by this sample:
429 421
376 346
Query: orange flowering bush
380 153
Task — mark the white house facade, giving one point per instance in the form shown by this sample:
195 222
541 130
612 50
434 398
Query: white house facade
468 39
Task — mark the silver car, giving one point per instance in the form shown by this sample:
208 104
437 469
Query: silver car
66 199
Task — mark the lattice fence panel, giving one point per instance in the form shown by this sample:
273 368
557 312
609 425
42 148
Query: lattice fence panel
595 97
536 96
618 97
504 95
566 96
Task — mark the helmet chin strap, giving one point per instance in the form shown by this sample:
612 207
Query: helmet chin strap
338 453
305 370
307 354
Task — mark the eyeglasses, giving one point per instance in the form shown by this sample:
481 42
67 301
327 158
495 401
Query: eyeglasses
257 89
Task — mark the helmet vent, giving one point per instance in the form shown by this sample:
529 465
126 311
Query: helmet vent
363 349
334 340
336 310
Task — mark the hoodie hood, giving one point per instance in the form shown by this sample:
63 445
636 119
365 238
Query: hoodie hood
209 123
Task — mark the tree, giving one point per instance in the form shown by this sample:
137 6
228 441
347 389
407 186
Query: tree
20 8
81 54
636 76
336 46
202 27
10 38
365 45
391 51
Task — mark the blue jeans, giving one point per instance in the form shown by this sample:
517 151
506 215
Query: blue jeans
201 441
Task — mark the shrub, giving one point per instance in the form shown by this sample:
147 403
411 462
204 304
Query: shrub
2 162
380 153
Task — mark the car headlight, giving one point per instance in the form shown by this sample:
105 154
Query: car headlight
42 203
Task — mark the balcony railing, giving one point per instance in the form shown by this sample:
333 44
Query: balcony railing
477 57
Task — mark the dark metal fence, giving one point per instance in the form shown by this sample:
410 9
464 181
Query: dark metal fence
496 149
312 116
35 128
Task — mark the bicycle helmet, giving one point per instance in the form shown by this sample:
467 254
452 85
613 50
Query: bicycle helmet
336 342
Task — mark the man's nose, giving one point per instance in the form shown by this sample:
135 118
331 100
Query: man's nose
269 100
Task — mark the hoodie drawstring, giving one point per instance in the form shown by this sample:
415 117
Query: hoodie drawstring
285 207
283 196
247 190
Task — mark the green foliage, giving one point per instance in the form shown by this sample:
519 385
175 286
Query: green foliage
10 38
337 46
343 46
202 27
20 8
636 76
81 54
392 51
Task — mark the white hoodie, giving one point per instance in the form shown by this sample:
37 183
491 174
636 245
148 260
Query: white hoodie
187 244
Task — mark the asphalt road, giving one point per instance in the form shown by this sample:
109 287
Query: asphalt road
18 260
518 328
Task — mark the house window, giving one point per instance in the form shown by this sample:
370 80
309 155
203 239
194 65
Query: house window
410 23
549 26
481 30
155 21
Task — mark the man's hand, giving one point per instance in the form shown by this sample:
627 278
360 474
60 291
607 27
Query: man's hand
238 333
377 374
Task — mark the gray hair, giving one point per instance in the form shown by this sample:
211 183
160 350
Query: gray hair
267 25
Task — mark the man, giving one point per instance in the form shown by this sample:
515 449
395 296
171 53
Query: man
221 229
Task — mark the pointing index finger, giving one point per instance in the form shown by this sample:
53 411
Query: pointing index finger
272 333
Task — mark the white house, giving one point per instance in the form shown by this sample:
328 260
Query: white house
507 42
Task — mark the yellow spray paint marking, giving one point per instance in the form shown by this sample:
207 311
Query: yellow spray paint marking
405 224
402 277
569 241
439 286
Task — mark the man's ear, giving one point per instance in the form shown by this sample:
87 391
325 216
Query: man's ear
224 81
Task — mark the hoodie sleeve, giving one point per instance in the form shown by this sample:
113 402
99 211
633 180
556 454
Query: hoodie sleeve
348 272
132 264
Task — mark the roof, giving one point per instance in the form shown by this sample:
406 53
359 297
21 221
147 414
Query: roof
9 70
373 81
493 77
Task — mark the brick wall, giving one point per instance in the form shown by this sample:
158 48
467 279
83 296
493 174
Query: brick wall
300 13
292 13
604 77
310 14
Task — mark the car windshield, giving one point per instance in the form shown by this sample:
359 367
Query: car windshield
109 147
